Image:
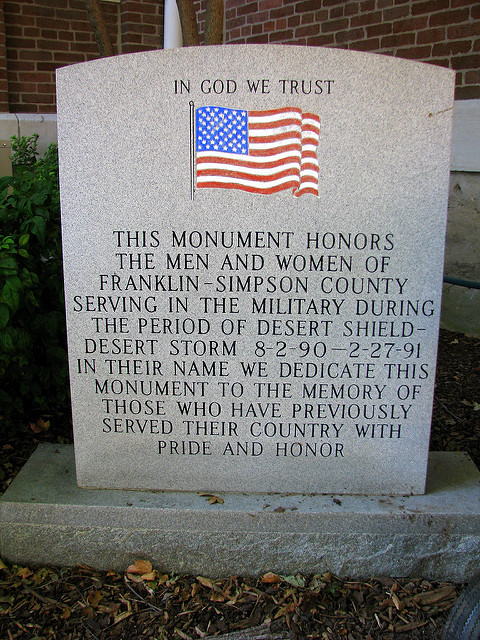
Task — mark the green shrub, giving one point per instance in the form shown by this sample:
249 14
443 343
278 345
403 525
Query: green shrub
33 358
24 150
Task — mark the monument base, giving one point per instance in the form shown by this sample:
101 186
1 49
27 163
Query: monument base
46 519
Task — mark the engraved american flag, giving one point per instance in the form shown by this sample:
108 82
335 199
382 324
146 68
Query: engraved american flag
257 151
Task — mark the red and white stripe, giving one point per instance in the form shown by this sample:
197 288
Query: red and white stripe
282 154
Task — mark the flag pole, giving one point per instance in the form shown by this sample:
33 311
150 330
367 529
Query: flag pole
192 150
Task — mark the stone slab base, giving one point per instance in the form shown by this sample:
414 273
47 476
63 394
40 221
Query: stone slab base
46 519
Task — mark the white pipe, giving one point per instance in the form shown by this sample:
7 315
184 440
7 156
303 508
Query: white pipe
172 30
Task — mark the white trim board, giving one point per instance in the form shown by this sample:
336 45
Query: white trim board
466 136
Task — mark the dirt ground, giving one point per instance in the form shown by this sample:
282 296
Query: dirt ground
79 602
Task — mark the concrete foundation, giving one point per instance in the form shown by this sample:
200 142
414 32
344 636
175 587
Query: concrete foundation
46 519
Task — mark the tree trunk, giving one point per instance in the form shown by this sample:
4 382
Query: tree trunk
188 20
99 28
214 22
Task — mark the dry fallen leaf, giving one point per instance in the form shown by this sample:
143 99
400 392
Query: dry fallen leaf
143 568
40 425
271 578
211 498
94 598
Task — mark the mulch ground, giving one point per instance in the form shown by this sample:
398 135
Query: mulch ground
81 603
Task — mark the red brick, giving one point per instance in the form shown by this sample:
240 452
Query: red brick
21 65
34 77
466 62
336 12
350 8
399 40
260 16
472 77
246 30
440 62
309 5
463 31
431 6
269 4
320 41
475 12
379 30
22 86
307 30
12 7
233 24
31 10
282 12
365 45
431 35
21 43
261 39
68 14
43 87
349 36
57 24
31 32
363 19
33 98
395 14
67 58
52 45
415 53
320 16
309 18
467 93
412 24
476 45
83 37
334 25
48 33
248 8
48 66
293 21
256 29
85 47
451 48
281 24
131 17
367 5
14 30
448 17
280 36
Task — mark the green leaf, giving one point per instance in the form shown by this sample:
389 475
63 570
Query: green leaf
6 342
4 315
11 292
37 227
23 240
8 266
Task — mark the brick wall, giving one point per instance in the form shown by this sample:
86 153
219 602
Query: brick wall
42 35
443 32
141 25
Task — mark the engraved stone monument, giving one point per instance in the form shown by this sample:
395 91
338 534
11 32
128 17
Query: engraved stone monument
253 268
253 255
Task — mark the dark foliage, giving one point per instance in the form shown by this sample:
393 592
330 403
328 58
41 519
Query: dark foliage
33 359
